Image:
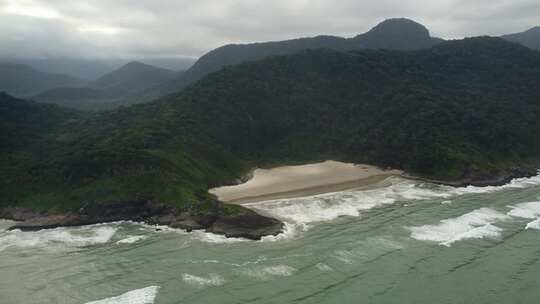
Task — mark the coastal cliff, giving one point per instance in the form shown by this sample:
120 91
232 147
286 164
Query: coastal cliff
242 223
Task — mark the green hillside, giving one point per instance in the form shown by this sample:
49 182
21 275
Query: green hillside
395 34
462 108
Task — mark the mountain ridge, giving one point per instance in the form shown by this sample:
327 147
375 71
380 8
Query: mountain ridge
23 80
107 91
133 76
396 33
441 113
529 38
406 34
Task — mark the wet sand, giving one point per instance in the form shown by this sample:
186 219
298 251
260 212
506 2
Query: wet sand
304 180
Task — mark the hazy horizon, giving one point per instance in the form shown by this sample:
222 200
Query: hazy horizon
121 30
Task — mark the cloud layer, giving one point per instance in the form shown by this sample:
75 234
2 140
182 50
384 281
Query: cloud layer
162 28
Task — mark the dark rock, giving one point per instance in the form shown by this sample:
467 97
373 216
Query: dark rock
483 178
187 224
248 224
18 214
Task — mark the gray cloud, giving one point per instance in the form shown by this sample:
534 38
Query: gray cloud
160 28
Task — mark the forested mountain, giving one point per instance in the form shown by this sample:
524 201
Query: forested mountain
26 124
82 98
444 112
91 69
397 34
22 80
529 38
133 77
107 91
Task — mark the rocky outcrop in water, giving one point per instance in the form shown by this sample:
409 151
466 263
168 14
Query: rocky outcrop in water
247 224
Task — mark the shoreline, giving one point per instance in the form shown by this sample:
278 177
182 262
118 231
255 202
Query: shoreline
303 180
246 223
479 179
362 184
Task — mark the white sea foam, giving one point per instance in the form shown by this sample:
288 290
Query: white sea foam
59 237
265 273
5 224
525 210
330 206
533 225
323 267
196 235
212 280
213 238
132 239
530 210
518 183
290 232
366 249
139 296
300 213
344 256
473 225
327 207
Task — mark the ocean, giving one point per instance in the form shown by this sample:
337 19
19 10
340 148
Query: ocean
403 242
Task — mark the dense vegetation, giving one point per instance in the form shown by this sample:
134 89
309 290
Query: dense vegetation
395 34
391 34
461 106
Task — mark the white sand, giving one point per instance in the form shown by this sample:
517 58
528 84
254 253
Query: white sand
295 181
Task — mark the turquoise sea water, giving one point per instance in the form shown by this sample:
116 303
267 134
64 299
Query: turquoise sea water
405 242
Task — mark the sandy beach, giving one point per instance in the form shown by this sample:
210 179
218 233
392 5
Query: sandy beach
303 180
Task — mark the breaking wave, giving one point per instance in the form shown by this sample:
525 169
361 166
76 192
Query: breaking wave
529 210
269 272
525 210
299 213
212 280
58 237
132 239
533 225
139 296
476 224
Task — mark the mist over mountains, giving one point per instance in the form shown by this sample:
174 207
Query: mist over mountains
108 90
92 69
136 83
24 81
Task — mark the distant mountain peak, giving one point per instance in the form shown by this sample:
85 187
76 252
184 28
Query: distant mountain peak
397 34
138 66
529 38
133 76
400 26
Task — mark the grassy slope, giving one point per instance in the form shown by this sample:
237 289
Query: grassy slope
461 106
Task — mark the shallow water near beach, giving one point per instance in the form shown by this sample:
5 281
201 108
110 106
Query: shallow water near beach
405 242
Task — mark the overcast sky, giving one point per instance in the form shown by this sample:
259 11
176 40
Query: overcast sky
154 28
